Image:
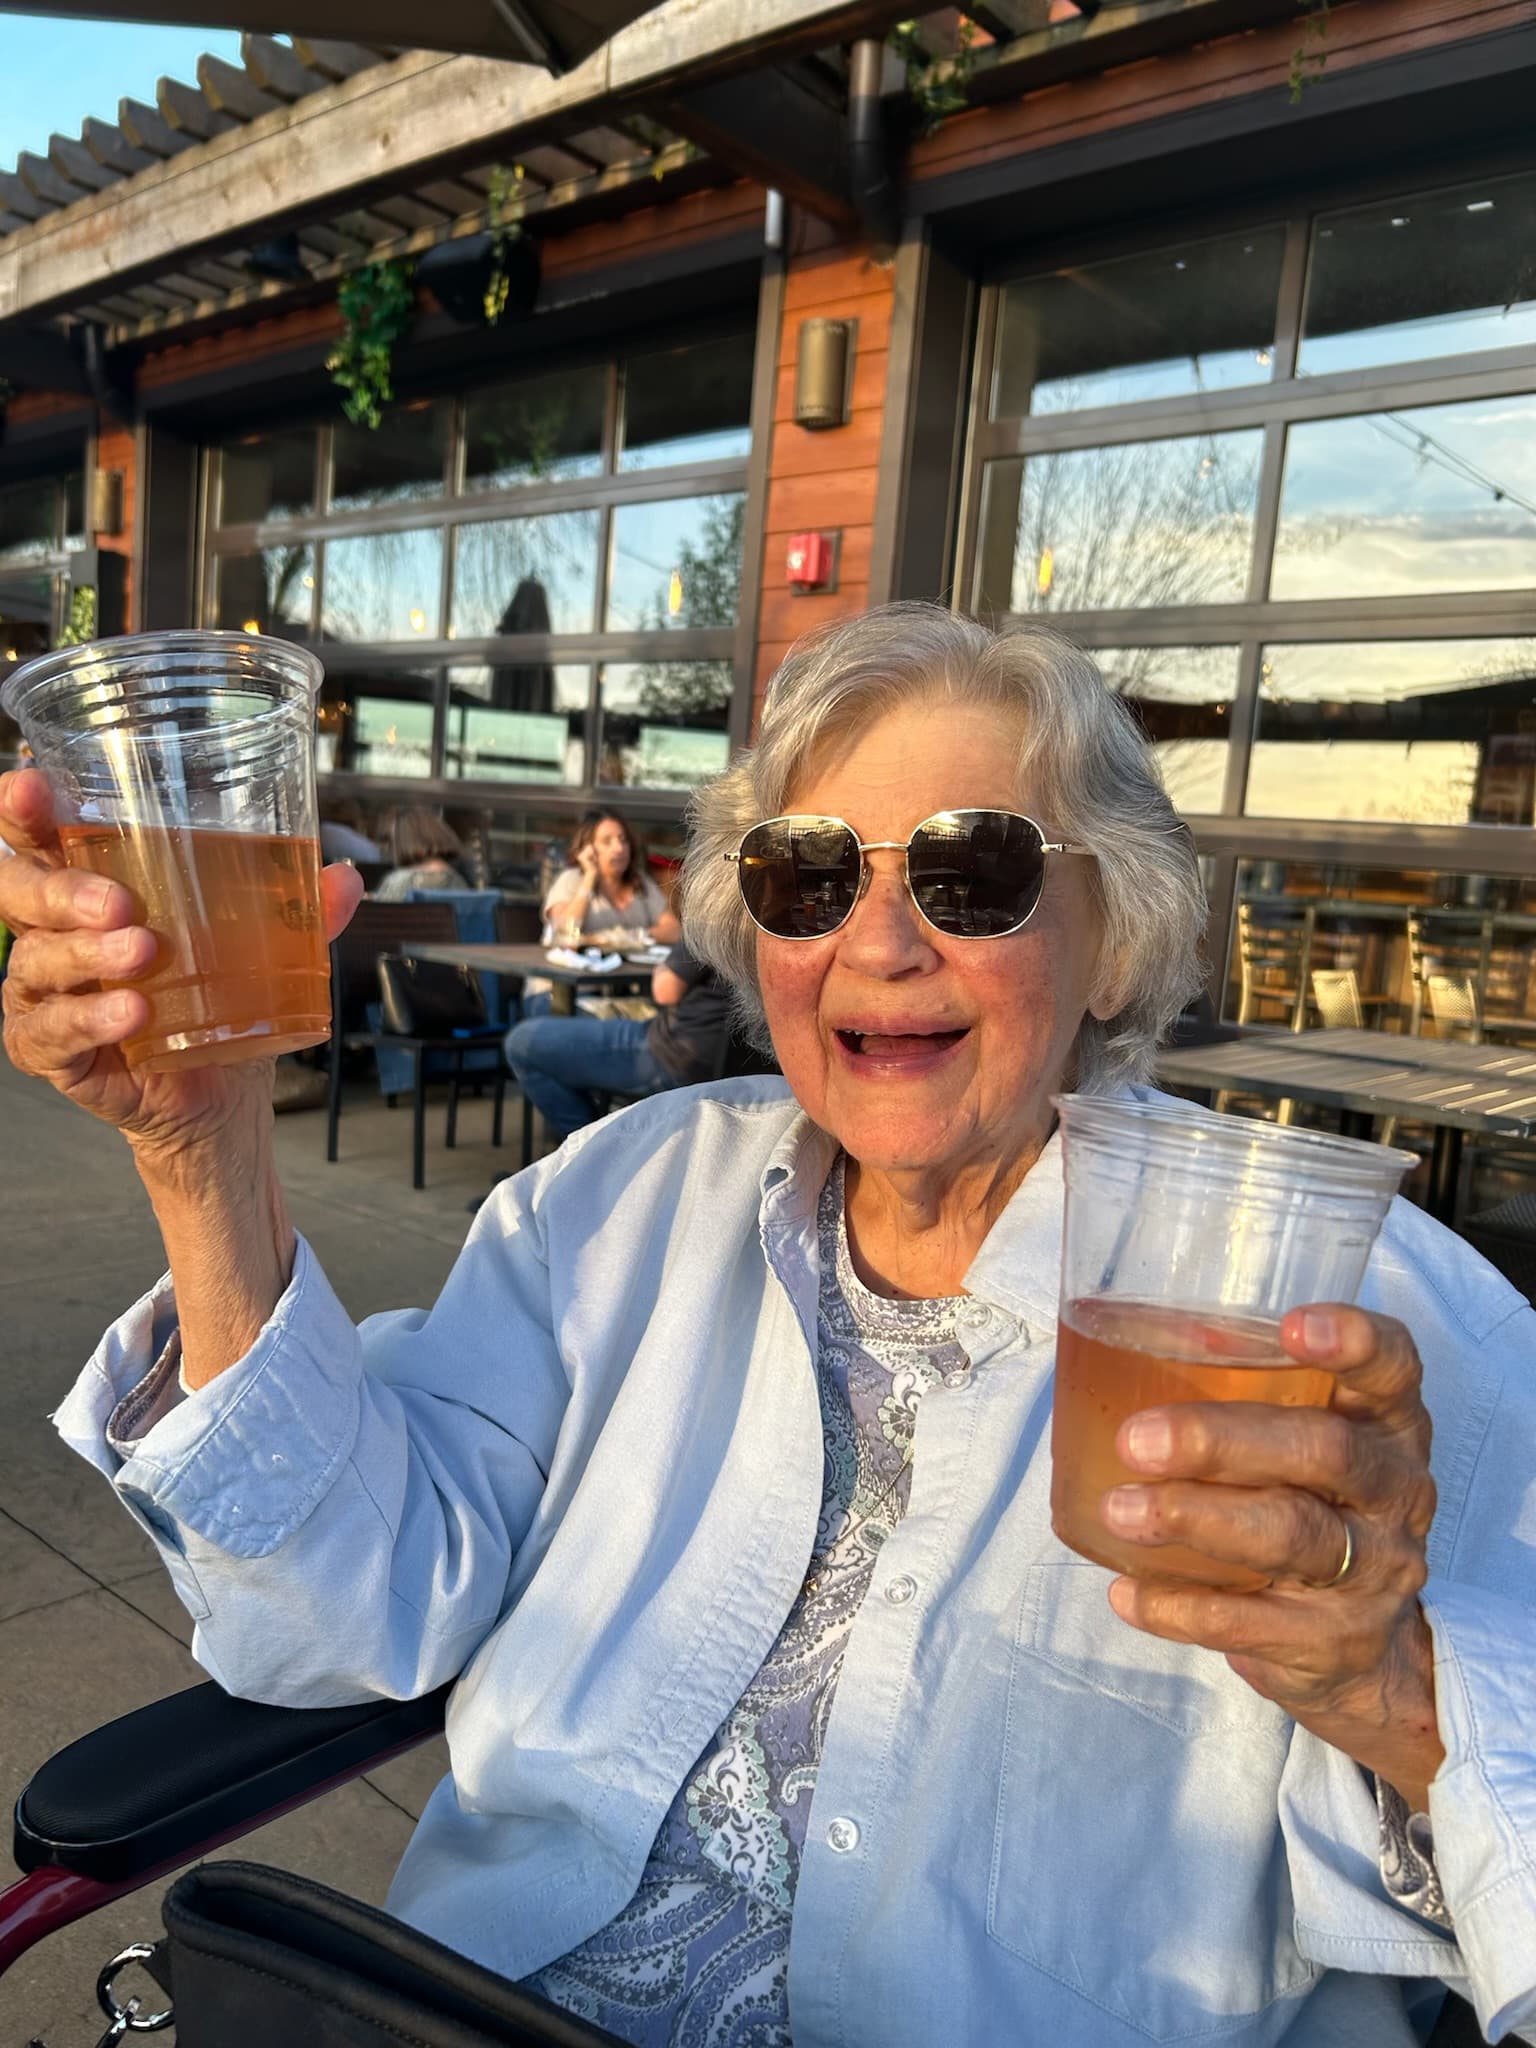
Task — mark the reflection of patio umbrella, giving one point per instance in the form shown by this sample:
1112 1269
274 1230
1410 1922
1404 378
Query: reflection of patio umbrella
555 33
528 685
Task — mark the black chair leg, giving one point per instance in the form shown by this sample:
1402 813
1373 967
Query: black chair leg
527 1132
456 1081
333 1098
419 1131
501 1103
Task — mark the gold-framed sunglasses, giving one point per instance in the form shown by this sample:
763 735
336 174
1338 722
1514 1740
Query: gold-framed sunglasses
971 874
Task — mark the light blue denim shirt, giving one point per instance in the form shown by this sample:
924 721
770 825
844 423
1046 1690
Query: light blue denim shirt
588 1480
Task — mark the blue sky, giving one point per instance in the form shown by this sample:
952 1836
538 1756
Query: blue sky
56 72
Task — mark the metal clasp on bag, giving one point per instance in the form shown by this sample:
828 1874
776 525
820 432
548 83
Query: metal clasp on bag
128 2019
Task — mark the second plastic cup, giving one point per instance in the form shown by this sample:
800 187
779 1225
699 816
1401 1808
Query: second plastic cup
1187 1237
182 765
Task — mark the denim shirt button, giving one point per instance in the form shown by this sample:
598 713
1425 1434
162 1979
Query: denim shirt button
974 1316
901 1590
959 1377
843 1835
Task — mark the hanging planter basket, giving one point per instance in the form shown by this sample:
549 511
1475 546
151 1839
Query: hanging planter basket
464 277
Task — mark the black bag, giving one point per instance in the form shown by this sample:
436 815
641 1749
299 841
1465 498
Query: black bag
258 1958
430 999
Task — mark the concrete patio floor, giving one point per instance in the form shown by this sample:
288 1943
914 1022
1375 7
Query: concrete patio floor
89 1625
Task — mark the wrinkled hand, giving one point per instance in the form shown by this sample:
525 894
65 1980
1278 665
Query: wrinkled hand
1276 1490
75 931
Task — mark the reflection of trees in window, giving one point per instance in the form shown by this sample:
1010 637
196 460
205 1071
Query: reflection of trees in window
709 571
1143 524
526 576
537 432
289 582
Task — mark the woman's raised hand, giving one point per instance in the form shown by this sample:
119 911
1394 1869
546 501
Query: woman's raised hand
75 931
587 861
1333 1506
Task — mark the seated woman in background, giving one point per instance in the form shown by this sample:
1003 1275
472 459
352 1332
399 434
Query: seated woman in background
605 894
425 848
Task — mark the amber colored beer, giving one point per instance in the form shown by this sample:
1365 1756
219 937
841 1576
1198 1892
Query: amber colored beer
242 971
1116 1356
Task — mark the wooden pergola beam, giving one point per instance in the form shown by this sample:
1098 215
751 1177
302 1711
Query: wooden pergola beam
390 128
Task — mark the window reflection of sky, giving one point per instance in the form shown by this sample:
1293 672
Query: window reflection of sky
1391 504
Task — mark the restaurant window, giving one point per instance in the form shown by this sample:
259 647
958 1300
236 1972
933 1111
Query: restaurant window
1140 523
1278 480
537 430
397 463
42 530
1181 698
1199 316
1423 275
1427 732
664 722
520 722
565 619
268 476
687 405
1410 501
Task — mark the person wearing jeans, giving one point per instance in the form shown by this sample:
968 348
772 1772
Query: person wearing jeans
564 1064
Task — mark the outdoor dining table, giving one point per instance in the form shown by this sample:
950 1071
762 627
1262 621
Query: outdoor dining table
1489 1090
524 963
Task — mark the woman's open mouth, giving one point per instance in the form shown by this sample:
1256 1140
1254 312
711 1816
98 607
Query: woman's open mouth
902 1049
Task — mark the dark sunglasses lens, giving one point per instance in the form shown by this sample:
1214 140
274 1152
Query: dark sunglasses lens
799 876
976 874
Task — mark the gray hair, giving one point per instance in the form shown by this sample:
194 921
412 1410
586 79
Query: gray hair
1092 776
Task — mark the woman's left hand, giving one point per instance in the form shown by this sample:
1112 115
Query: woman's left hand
1291 1493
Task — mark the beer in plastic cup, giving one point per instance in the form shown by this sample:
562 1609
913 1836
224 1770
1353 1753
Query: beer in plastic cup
1187 1237
182 765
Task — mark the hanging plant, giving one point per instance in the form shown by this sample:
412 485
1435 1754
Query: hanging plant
504 216
378 304
81 624
1311 53
935 90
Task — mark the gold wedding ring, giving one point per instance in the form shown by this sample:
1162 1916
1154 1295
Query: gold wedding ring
1322 1585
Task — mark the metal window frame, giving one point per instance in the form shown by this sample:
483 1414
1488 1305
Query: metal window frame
1274 405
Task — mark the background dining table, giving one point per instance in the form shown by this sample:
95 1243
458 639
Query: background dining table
1456 1088
526 963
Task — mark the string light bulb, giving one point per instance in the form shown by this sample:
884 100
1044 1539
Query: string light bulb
675 594
1045 571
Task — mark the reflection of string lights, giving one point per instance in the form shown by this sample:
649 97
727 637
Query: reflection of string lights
418 619
1045 573
674 594
252 626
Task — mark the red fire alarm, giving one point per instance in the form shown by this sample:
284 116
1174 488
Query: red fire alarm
810 562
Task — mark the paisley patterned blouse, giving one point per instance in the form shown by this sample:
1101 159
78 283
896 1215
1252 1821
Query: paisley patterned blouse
700 1956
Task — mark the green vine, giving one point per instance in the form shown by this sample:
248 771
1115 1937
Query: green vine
80 627
504 214
935 90
378 304
1311 53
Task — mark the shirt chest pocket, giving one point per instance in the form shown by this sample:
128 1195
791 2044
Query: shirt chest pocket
1137 1856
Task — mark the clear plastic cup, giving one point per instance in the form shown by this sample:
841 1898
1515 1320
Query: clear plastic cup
182 765
1187 1237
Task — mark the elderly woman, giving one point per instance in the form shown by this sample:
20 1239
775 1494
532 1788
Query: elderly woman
718 1473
